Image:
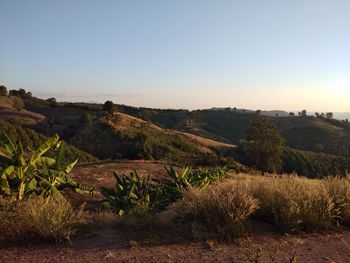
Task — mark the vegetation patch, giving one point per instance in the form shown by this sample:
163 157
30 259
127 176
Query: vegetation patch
135 192
221 211
53 218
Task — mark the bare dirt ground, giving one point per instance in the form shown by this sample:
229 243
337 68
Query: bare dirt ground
108 243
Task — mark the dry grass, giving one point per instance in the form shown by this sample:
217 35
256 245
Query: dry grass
53 218
221 211
339 191
5 214
291 203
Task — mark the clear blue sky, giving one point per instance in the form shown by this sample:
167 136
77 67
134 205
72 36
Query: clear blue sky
267 54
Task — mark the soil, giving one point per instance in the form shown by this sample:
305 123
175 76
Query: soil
109 243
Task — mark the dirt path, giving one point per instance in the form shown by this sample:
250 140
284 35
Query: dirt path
111 246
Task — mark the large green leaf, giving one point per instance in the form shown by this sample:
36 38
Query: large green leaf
4 184
45 162
20 154
49 143
46 173
60 154
48 188
7 143
71 165
31 186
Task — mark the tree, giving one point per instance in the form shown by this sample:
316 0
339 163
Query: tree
52 102
20 93
291 114
108 106
329 115
3 91
303 113
264 146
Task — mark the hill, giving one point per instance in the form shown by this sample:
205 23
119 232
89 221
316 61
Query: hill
200 137
122 136
303 133
23 117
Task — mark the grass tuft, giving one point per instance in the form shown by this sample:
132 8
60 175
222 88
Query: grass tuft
220 211
53 218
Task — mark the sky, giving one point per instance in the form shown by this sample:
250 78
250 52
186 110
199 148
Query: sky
262 54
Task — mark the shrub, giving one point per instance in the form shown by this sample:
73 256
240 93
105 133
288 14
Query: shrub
221 210
53 218
17 103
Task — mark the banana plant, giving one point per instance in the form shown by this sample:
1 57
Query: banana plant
38 174
16 171
129 192
169 189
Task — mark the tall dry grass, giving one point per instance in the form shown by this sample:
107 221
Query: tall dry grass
53 218
289 202
220 211
294 203
339 190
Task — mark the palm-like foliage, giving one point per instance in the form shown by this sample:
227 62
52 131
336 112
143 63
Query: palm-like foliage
21 175
134 191
129 192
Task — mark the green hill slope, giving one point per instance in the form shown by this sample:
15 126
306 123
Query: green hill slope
125 137
303 133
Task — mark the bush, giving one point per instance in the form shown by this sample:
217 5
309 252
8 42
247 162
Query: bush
18 103
221 211
53 218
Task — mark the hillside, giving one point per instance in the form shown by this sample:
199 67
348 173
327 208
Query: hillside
122 136
23 117
201 137
224 125
302 133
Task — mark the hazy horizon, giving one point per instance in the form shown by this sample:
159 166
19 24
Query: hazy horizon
337 115
278 55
